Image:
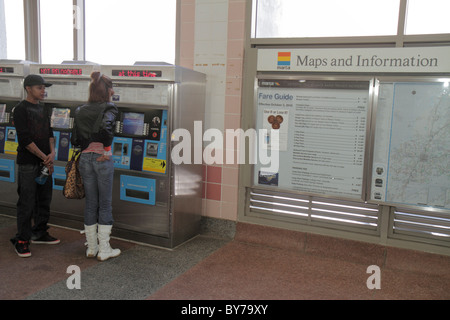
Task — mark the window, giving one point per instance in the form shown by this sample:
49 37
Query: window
12 36
324 18
56 30
428 17
123 32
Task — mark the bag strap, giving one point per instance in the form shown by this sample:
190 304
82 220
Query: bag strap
75 154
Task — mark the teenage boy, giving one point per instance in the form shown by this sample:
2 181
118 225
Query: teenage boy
36 150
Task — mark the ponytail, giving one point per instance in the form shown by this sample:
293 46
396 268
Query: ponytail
98 89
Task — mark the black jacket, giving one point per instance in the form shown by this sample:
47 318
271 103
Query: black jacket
94 122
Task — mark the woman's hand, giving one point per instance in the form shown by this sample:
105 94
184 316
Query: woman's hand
103 158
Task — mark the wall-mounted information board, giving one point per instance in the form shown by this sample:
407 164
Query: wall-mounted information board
322 128
411 159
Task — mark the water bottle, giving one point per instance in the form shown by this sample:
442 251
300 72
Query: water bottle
43 176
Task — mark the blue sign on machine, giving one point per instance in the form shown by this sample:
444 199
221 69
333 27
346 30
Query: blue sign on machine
59 177
137 189
7 170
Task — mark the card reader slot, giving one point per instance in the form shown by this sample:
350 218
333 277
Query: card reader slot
5 174
137 194
59 182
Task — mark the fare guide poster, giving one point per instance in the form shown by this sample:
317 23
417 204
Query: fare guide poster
322 134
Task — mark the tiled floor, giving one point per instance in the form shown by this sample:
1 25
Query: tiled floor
260 263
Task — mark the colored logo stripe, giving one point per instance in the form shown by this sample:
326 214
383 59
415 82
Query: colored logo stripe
284 58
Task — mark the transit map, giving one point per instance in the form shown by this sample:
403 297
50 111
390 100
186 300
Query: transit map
412 144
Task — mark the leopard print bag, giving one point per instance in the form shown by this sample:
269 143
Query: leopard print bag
73 188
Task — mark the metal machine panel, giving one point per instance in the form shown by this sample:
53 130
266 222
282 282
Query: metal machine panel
170 97
189 107
70 81
141 205
12 73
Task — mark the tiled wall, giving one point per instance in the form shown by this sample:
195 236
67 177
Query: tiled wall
212 42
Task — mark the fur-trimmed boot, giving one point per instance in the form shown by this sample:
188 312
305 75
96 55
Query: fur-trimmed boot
91 238
105 251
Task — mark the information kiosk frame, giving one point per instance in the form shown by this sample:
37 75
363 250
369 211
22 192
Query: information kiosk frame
405 86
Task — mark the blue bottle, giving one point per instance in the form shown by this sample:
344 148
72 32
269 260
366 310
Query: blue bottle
43 176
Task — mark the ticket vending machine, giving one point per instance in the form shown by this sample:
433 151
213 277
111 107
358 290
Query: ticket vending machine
155 201
12 73
70 89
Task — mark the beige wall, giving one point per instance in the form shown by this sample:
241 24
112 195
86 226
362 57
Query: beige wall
212 41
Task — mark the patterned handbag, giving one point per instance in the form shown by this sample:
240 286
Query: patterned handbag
73 188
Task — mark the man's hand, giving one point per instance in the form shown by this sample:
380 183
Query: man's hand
48 162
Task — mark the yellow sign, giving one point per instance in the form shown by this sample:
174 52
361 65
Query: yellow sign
154 165
11 147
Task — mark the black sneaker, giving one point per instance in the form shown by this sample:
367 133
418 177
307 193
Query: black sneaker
46 239
22 248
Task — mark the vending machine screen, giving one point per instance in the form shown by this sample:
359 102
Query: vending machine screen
133 123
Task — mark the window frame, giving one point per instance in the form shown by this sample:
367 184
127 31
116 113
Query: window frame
33 31
398 40
33 43
48 40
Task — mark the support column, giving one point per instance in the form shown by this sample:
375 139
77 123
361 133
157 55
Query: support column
32 30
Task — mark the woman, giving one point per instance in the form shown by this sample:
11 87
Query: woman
93 133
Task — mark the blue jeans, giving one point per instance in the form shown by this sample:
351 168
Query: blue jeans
33 204
98 185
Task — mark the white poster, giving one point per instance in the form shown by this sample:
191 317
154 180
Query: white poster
322 149
70 90
157 94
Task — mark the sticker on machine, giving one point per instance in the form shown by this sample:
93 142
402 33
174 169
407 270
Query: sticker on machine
11 142
154 165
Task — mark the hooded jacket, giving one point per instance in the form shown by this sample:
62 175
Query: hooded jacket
94 122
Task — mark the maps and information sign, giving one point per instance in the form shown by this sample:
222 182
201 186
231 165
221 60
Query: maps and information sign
338 139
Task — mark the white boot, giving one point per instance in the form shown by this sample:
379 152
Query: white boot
91 238
105 251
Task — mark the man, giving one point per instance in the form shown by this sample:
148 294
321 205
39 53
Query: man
36 150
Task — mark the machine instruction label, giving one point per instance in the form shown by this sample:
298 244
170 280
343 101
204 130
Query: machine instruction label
154 165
